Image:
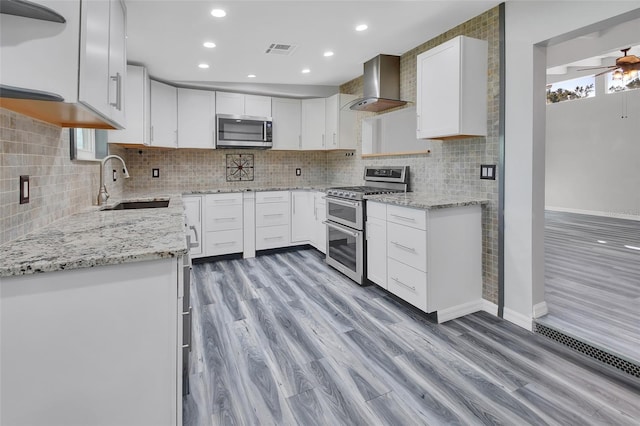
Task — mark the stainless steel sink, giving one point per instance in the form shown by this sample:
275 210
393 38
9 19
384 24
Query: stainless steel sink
129 205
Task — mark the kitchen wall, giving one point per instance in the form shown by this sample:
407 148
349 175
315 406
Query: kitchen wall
593 154
452 167
59 186
194 170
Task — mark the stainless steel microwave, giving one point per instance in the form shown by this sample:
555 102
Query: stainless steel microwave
243 131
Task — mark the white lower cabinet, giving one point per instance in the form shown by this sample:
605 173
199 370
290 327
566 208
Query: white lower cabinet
96 345
432 258
272 220
319 240
193 213
302 216
223 223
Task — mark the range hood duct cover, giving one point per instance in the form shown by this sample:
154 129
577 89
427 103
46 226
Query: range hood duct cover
381 85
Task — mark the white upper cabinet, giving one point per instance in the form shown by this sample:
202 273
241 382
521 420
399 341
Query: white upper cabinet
257 106
240 104
196 118
452 90
81 63
313 124
138 107
340 125
286 123
164 115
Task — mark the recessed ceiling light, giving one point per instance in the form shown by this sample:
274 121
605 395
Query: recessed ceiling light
251 76
209 44
361 27
328 53
218 13
306 71
203 66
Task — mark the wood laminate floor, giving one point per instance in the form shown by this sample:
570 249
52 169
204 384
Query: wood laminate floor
283 339
592 281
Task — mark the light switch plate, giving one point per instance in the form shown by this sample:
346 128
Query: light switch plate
298 172
488 171
24 189
155 173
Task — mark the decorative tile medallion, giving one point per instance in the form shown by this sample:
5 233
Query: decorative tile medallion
239 167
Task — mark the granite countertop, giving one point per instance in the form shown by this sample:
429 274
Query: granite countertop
258 189
95 238
420 200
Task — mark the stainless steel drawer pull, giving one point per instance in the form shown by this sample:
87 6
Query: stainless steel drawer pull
224 200
272 238
274 214
403 217
411 249
278 197
224 219
226 243
410 287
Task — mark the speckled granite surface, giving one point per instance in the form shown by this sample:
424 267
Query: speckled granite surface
96 237
227 190
426 201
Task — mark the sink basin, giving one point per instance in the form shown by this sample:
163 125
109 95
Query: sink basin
129 205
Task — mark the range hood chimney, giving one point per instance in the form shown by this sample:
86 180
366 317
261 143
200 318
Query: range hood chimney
381 85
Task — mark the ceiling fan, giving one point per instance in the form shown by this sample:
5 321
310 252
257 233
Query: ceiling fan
626 66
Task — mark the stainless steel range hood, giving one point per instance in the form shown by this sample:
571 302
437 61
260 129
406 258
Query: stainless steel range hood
381 85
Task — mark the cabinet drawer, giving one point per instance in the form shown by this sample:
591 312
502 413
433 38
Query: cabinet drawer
407 283
404 216
224 242
272 214
272 197
224 218
272 237
377 210
224 199
407 245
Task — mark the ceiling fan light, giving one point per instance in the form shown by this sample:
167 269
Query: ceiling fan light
618 75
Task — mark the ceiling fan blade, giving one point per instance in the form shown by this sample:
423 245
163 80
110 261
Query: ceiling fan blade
598 68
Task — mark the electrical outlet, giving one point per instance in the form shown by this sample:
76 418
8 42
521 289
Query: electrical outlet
298 172
488 171
115 176
24 189
155 173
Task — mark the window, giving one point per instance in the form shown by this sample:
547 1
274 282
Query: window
88 144
568 90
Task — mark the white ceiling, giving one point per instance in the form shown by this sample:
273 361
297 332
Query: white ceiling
167 35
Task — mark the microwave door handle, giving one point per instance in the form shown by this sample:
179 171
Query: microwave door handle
264 131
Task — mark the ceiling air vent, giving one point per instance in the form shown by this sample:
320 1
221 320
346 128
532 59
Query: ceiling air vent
280 49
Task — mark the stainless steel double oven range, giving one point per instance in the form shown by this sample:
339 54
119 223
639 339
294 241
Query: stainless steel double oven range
346 239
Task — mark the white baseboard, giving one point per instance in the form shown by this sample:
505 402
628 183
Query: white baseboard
518 319
594 213
540 309
459 310
490 307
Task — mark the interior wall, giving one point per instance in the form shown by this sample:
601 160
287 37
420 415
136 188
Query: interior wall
453 166
527 25
593 154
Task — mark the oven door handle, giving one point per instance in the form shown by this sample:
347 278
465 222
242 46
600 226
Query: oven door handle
343 202
341 228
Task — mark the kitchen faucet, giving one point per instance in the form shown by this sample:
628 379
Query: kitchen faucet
103 195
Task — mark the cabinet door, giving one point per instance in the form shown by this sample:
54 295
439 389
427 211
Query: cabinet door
196 118
313 124
138 108
286 123
302 216
331 121
438 87
320 241
229 103
94 57
257 106
164 115
377 251
193 211
117 63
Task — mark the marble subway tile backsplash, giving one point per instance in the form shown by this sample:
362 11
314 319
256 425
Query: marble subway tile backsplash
196 170
59 186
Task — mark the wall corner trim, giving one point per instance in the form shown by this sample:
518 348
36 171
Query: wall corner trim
490 307
540 309
518 319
